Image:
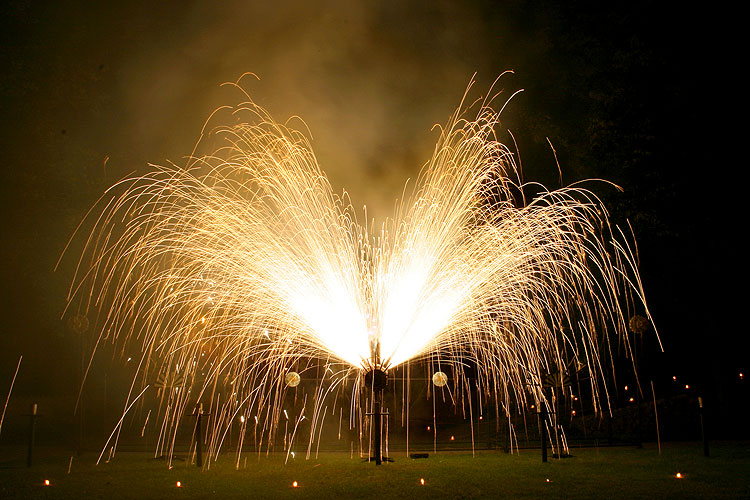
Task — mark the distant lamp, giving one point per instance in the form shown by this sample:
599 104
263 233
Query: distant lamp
439 379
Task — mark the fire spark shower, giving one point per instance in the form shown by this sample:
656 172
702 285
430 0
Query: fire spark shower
227 271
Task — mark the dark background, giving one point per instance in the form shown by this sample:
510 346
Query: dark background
649 97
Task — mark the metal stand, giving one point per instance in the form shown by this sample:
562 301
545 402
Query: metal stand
377 380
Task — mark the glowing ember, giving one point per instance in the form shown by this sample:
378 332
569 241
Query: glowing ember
439 379
179 484
421 481
678 475
294 484
46 482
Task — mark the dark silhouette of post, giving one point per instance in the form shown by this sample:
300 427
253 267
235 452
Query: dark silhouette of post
638 417
543 429
703 426
198 414
32 430
378 423
376 379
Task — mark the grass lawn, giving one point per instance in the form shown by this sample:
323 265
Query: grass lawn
611 473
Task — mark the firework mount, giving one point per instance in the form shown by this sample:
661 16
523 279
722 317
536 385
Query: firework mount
376 378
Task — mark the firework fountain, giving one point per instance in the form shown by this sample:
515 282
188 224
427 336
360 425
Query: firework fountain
226 273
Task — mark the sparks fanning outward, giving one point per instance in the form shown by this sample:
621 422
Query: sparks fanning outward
227 271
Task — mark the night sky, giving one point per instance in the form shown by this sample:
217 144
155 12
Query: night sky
649 99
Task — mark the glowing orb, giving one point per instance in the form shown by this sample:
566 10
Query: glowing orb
46 482
439 379
638 324
294 484
292 379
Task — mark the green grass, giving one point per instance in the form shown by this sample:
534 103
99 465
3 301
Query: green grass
618 473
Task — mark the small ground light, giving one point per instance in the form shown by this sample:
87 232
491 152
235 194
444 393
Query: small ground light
687 386
452 438
548 480
678 475
421 481
294 484
46 482
179 484
631 399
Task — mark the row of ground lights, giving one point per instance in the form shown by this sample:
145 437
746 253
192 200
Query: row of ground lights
295 484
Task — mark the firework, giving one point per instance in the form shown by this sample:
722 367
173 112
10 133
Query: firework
230 270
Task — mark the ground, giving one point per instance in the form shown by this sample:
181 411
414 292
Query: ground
622 473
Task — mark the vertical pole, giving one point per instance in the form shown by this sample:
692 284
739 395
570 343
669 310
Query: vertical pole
198 436
656 416
32 429
543 429
408 403
80 397
638 416
377 425
703 427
